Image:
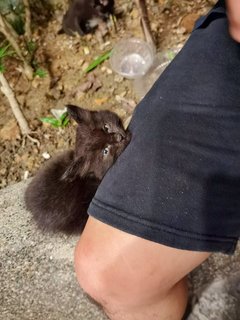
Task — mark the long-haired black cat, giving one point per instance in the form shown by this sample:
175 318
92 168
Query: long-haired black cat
59 195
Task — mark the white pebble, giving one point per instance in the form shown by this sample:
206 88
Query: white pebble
25 175
46 155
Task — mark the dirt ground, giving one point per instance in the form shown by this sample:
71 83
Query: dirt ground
65 58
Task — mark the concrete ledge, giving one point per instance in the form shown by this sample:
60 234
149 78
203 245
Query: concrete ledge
37 275
38 280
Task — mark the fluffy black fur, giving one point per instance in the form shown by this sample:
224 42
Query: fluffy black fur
83 16
59 195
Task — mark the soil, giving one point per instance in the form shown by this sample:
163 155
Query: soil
65 58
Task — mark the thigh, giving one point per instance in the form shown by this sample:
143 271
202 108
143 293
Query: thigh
130 265
178 181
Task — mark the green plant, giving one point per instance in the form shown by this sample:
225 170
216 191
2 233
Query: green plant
31 47
4 52
41 73
61 122
98 61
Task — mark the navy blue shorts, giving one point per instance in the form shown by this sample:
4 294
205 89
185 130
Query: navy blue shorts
178 181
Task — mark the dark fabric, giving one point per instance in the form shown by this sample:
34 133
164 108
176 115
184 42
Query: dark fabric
178 181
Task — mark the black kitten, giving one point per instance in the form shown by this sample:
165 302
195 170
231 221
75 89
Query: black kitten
83 16
60 193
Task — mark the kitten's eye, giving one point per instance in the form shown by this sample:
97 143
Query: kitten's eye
106 151
106 127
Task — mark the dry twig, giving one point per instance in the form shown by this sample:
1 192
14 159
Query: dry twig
28 32
7 90
22 122
141 4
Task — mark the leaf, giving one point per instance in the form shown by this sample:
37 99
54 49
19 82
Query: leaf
4 51
64 119
57 123
65 122
98 61
54 122
41 73
63 116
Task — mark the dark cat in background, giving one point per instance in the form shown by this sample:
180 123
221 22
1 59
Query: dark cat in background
83 16
60 193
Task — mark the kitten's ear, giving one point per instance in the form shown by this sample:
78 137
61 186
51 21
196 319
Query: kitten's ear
80 115
77 168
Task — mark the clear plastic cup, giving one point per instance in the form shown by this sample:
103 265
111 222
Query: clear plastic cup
162 59
132 58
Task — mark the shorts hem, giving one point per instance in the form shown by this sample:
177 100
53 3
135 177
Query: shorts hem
162 234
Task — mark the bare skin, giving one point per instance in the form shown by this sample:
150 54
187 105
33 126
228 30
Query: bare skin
133 278
233 8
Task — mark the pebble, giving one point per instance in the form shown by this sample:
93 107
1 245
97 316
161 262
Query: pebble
109 71
26 175
86 50
46 155
36 82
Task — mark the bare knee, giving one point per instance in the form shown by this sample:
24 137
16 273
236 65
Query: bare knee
94 275
128 275
110 284
88 276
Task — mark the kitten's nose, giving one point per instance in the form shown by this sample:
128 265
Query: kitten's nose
119 137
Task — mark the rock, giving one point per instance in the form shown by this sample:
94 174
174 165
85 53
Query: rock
46 155
218 300
36 82
86 50
109 71
10 131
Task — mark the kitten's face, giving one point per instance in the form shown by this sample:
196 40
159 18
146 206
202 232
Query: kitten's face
99 141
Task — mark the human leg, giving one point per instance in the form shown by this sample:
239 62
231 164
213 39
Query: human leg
176 184
133 278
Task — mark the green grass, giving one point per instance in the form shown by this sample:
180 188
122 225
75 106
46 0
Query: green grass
98 61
